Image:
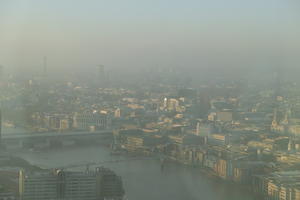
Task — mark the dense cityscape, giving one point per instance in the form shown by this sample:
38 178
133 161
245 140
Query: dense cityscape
230 130
149 100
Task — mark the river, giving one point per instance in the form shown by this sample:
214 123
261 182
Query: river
143 179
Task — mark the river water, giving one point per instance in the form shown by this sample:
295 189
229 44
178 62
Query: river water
143 179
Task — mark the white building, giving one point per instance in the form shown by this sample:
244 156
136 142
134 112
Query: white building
93 120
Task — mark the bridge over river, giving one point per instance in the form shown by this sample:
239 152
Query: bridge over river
48 139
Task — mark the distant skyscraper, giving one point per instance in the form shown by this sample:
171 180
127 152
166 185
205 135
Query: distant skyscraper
101 71
100 75
278 81
0 128
45 66
1 72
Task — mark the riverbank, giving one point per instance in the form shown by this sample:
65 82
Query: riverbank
143 179
204 171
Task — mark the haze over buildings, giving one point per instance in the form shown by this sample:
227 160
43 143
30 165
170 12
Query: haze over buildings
168 95
142 34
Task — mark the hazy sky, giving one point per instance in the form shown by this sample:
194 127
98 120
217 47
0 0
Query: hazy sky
143 33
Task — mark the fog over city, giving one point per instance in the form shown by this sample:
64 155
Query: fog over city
161 99
141 34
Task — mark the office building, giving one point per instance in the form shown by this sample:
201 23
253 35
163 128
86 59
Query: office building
66 185
92 121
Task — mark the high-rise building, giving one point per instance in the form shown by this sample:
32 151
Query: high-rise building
1 72
0 128
66 185
100 71
100 74
109 185
45 66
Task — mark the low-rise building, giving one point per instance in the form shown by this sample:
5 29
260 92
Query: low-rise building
91 121
278 185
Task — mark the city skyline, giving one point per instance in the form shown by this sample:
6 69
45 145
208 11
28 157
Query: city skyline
136 99
139 34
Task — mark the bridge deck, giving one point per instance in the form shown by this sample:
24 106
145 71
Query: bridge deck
51 134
